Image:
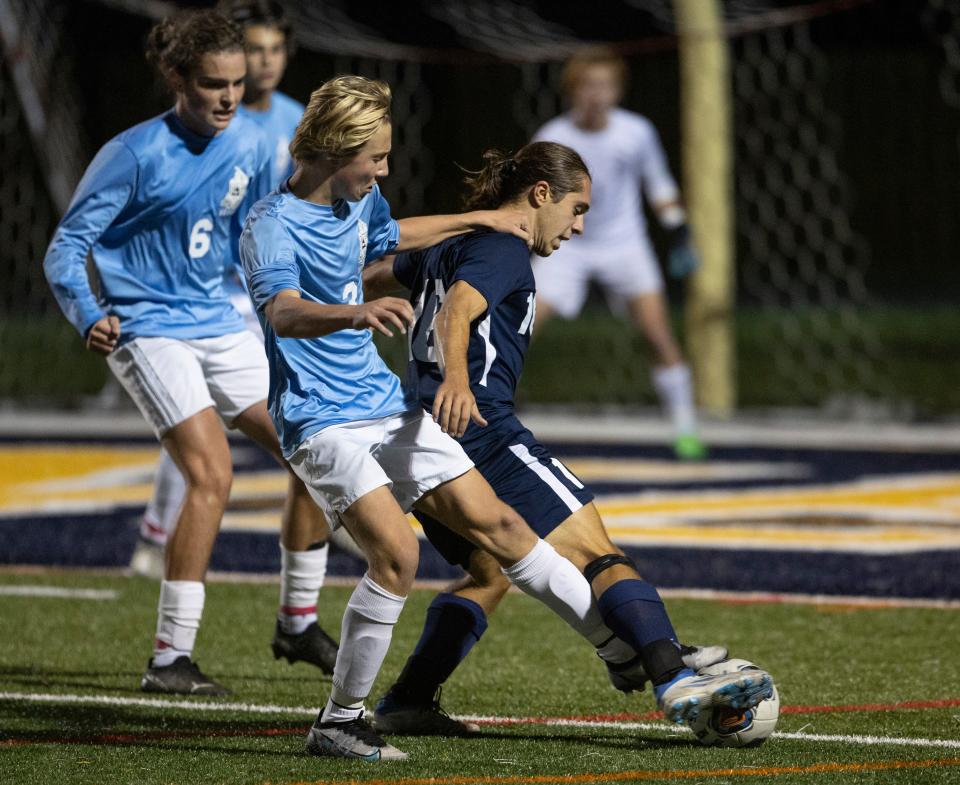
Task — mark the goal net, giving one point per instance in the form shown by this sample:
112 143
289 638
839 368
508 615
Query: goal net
804 324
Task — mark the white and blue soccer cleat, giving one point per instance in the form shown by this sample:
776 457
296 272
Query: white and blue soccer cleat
352 739
682 699
631 675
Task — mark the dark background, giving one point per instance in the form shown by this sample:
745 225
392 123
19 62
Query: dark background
896 138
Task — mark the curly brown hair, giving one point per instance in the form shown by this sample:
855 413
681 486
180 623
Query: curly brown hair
176 44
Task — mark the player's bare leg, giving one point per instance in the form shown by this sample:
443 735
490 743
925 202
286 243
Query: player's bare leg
671 376
455 621
199 448
632 609
468 506
458 617
304 536
380 529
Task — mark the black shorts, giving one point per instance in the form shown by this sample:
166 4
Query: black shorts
523 474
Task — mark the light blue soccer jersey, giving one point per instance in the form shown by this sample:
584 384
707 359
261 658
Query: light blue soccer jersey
158 208
278 124
320 251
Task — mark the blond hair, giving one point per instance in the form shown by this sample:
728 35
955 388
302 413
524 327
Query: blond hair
592 55
342 115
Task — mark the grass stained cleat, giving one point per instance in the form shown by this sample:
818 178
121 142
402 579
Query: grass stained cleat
353 739
630 676
312 645
181 677
697 657
682 699
392 715
688 447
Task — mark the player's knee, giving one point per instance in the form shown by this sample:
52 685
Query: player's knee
393 565
212 480
504 526
486 576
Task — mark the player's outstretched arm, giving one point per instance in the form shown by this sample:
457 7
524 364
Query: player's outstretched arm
105 190
293 317
426 230
379 280
454 404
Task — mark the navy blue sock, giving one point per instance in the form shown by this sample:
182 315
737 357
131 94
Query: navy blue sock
453 625
634 612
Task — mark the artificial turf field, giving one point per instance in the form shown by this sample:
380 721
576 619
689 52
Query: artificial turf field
870 693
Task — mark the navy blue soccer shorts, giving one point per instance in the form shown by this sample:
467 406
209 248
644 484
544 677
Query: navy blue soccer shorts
523 474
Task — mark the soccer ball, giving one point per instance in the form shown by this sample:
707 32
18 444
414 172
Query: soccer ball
721 726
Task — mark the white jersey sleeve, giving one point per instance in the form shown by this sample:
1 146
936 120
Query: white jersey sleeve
656 181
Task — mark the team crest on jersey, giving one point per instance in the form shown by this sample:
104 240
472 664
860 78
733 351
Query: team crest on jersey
281 158
362 236
236 190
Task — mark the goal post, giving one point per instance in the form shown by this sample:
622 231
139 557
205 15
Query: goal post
707 145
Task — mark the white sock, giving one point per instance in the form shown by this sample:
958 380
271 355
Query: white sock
674 387
169 488
365 636
301 576
545 574
151 530
178 619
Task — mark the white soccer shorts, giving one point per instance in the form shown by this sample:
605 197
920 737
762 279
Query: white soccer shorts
406 452
625 271
171 380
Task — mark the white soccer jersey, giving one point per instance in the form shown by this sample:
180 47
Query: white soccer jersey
623 158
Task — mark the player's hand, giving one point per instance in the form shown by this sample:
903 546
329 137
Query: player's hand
515 222
453 408
379 314
683 258
103 336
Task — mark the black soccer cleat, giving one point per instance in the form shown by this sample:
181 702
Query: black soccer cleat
393 715
181 677
312 645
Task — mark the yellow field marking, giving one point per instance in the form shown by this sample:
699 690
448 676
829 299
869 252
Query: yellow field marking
647 470
890 512
860 536
27 474
939 497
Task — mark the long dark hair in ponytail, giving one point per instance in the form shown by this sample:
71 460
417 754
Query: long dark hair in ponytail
504 177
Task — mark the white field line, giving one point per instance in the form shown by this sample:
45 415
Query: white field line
715 595
778 429
306 711
59 592
156 703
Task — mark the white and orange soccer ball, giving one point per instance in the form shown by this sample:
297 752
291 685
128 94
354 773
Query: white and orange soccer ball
721 726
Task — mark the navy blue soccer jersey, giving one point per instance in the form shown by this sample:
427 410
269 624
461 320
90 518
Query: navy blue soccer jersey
498 266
